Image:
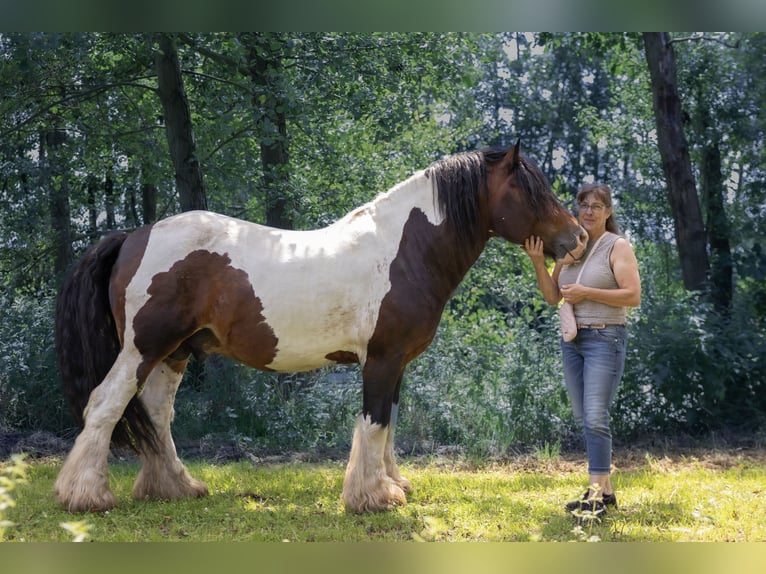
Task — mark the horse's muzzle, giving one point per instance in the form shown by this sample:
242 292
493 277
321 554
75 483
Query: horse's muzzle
576 249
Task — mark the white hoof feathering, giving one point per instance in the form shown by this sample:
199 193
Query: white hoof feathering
367 487
83 482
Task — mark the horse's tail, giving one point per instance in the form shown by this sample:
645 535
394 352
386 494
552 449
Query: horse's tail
87 344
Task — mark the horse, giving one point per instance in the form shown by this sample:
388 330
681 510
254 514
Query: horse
368 289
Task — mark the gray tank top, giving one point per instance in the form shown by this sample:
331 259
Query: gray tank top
598 273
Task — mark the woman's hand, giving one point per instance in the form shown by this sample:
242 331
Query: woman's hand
574 293
534 248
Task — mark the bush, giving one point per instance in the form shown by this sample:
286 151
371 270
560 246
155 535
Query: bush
266 412
30 392
693 369
492 379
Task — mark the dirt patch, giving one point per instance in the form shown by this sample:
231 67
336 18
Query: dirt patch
37 444
713 458
658 457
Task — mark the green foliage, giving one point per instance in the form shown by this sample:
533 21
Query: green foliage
693 370
12 474
30 394
79 530
491 379
229 404
362 112
690 368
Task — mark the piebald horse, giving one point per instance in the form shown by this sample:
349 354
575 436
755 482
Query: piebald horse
368 289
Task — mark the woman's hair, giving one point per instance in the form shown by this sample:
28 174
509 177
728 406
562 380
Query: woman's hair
602 192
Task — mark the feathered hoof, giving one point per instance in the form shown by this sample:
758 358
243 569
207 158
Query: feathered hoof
384 495
84 490
86 500
171 486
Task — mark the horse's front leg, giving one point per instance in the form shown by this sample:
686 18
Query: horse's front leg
389 457
367 485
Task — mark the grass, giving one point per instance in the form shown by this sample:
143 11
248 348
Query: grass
709 496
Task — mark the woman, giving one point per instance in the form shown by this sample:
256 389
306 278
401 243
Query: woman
595 359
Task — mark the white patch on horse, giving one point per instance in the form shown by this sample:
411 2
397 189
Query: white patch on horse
321 290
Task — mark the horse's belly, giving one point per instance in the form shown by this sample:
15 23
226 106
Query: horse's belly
296 362
327 320
308 350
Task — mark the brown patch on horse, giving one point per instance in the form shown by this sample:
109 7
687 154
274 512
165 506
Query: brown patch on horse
131 254
343 357
203 305
425 272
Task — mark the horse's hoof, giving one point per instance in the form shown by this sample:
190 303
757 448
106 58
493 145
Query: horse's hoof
401 482
156 487
87 491
404 484
388 496
88 503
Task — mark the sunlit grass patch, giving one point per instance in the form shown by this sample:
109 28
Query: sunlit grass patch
660 499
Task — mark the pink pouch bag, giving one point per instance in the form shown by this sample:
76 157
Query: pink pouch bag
568 322
566 311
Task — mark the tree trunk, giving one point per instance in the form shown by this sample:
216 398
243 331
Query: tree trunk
149 203
131 210
178 126
92 185
269 102
111 222
674 151
57 179
721 269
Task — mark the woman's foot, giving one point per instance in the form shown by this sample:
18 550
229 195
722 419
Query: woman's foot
607 500
589 511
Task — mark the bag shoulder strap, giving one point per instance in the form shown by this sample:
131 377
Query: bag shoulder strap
584 263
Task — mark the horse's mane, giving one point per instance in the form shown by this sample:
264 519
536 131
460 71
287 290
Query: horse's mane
462 178
459 181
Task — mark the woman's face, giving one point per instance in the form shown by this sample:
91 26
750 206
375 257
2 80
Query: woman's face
592 214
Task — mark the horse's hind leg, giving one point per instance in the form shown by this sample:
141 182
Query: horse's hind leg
163 476
83 482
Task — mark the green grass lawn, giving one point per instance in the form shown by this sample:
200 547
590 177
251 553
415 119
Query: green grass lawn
708 496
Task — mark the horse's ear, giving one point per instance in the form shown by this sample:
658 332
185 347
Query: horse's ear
513 157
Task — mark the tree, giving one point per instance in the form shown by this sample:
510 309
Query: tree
708 134
55 176
178 124
674 151
265 68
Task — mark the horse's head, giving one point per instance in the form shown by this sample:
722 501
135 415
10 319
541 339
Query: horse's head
521 203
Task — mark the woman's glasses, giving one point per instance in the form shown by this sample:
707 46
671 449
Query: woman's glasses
593 207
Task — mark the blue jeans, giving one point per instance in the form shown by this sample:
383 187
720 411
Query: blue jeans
593 365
